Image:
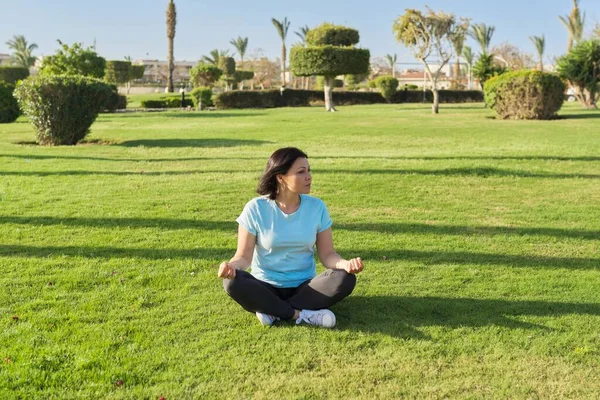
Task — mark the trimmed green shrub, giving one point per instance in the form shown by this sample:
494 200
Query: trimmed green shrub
328 60
204 75
62 108
387 85
525 94
12 75
74 61
116 102
9 108
117 72
167 102
137 72
303 98
202 93
333 35
243 75
337 83
227 65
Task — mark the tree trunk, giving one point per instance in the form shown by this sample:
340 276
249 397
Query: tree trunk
328 88
435 108
170 85
283 51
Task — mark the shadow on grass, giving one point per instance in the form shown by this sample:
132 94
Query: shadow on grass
192 143
426 258
186 114
583 115
483 172
475 172
124 173
404 317
231 226
145 160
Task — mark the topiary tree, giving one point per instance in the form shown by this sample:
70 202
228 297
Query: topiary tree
9 108
330 52
485 68
204 75
202 97
62 108
525 94
426 34
241 76
74 60
581 68
11 75
117 72
387 85
227 65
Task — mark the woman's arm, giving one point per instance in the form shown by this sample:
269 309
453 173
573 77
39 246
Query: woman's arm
333 260
243 255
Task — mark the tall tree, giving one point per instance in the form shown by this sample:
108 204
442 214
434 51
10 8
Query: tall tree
458 42
426 34
302 34
214 56
282 29
467 54
540 45
597 30
330 52
22 51
482 35
171 23
391 59
241 45
581 69
574 23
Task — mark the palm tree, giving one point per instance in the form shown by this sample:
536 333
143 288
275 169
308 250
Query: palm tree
171 22
482 35
240 44
302 34
540 45
214 56
391 59
458 42
23 52
282 29
467 54
574 24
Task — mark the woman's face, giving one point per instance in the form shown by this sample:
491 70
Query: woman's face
298 179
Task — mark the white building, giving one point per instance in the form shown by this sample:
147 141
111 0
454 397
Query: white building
157 71
5 59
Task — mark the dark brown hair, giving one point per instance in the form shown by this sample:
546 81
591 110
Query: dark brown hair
280 162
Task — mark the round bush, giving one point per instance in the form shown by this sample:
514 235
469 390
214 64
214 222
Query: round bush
62 108
525 94
332 35
388 86
9 108
202 93
328 61
11 75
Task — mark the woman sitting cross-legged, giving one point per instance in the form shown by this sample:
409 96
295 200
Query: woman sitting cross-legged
276 238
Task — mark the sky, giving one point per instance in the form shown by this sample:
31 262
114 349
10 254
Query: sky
136 28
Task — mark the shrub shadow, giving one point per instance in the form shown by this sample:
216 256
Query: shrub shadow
192 143
405 317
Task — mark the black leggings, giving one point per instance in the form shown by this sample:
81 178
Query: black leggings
322 291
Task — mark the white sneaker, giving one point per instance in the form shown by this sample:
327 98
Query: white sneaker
266 319
324 318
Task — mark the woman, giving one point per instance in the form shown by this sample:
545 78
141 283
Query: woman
276 237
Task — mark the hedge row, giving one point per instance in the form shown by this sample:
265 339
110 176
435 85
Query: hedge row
9 108
168 102
299 98
11 75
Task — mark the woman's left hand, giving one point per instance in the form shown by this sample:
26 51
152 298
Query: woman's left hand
354 266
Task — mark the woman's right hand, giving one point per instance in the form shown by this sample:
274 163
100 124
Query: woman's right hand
226 271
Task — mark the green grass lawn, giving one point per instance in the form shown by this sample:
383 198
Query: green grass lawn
480 237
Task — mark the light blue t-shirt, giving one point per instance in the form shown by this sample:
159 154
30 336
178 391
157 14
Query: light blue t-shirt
285 244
